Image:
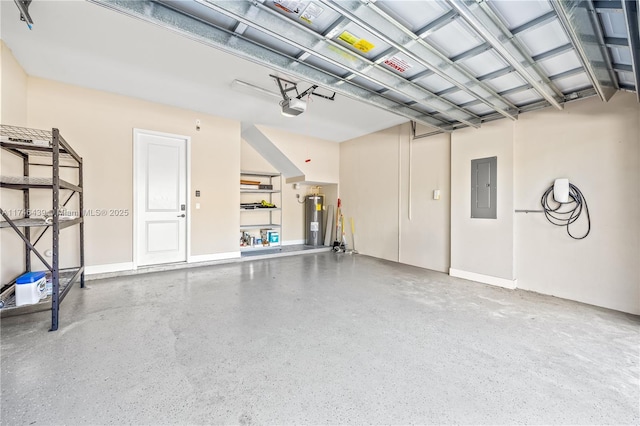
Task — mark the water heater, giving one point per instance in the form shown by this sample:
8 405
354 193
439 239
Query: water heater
313 220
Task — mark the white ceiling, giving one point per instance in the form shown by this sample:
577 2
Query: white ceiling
87 45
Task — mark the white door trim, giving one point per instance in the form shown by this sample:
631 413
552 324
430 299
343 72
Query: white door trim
136 133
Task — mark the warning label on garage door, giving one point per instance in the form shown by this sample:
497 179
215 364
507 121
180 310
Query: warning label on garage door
359 43
397 64
311 13
289 6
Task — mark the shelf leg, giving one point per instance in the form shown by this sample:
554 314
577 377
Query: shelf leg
81 205
27 213
55 273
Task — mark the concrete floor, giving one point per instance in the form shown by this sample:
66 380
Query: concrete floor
318 339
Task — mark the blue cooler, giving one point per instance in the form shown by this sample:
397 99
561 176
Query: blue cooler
30 288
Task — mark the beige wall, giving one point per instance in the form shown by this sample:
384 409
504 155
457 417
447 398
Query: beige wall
425 222
482 246
369 190
386 184
13 86
596 146
13 111
99 126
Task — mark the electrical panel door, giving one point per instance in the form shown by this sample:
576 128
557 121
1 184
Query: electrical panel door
484 188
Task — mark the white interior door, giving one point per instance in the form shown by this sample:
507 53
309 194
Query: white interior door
161 197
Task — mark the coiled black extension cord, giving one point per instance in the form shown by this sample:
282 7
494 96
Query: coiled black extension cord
566 217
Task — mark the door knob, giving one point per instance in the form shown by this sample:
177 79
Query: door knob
182 215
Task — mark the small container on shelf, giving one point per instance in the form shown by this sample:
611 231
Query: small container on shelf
264 236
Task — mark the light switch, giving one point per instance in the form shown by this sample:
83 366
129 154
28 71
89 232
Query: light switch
436 194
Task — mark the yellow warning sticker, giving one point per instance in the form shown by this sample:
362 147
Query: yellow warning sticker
363 45
347 37
318 207
359 43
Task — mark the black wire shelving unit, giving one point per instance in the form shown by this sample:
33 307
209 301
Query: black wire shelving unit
42 148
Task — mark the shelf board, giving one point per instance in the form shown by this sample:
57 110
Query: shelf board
258 248
66 276
20 139
34 150
261 174
262 209
26 182
66 281
36 222
260 191
265 226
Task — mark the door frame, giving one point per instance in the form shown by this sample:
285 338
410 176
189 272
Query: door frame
136 134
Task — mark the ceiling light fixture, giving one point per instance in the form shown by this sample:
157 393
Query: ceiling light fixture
295 105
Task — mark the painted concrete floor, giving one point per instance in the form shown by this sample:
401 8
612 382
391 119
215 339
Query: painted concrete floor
318 339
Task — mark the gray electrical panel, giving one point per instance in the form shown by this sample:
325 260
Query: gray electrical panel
483 188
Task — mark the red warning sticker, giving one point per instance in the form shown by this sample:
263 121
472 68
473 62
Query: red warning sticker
397 64
289 6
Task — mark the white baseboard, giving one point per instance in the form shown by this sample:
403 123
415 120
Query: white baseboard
212 257
127 268
124 269
108 268
485 279
293 242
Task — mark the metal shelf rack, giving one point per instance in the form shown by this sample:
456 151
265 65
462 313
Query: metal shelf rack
27 144
269 218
